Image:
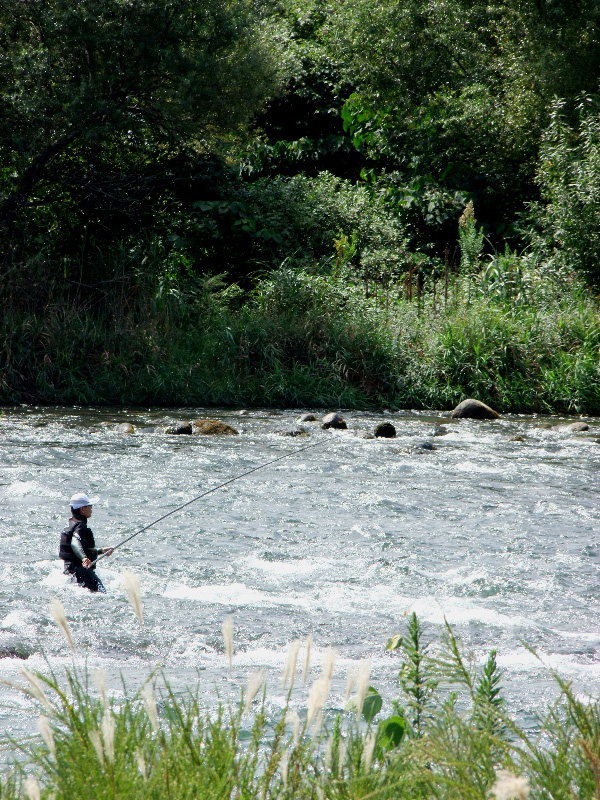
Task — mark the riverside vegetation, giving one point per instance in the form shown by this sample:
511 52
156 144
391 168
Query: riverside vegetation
173 231
447 735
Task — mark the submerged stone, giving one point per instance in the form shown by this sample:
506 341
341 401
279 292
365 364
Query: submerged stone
296 431
439 430
574 427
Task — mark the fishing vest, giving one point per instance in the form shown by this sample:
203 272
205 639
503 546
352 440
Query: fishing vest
86 538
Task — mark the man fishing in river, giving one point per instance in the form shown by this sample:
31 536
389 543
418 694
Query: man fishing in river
77 546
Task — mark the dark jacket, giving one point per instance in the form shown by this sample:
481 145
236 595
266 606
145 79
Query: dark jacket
77 527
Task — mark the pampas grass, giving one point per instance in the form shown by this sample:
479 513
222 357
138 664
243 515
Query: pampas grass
47 735
57 612
131 585
227 629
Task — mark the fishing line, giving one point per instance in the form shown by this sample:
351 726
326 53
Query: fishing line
209 491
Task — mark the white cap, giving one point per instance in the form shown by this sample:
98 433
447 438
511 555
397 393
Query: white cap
80 499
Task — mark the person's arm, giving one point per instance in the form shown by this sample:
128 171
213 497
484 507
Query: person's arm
77 548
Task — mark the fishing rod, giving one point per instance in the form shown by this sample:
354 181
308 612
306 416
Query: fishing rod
209 491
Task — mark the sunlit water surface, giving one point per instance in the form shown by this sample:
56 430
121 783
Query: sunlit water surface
343 541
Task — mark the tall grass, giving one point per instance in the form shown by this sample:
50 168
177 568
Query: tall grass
303 339
448 735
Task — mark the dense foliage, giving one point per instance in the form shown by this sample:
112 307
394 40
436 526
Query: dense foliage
163 165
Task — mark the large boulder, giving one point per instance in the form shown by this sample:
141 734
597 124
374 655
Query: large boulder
212 427
385 430
473 409
333 420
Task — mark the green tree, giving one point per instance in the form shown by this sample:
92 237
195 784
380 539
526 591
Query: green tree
105 105
453 95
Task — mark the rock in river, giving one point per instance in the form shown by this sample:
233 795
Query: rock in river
306 418
297 430
181 428
333 420
213 427
473 409
574 427
385 430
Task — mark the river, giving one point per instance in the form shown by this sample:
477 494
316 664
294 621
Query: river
500 538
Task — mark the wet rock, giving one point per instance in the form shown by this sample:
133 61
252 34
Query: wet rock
243 412
333 420
306 418
473 409
385 430
439 430
574 427
14 651
518 438
212 427
298 430
181 428
125 427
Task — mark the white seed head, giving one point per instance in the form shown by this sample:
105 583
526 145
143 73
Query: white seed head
309 641
37 690
509 786
293 720
283 767
289 672
362 684
32 788
108 735
351 677
255 681
99 678
317 697
149 698
57 612
228 639
47 735
131 585
368 749
328 663
96 741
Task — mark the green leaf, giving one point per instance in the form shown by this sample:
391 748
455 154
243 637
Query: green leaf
372 705
391 732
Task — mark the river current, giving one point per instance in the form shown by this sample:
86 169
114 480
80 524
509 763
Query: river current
500 538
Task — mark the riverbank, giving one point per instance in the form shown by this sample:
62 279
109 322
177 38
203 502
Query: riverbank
305 340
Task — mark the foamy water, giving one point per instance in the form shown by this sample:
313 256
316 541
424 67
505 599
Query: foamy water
501 539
